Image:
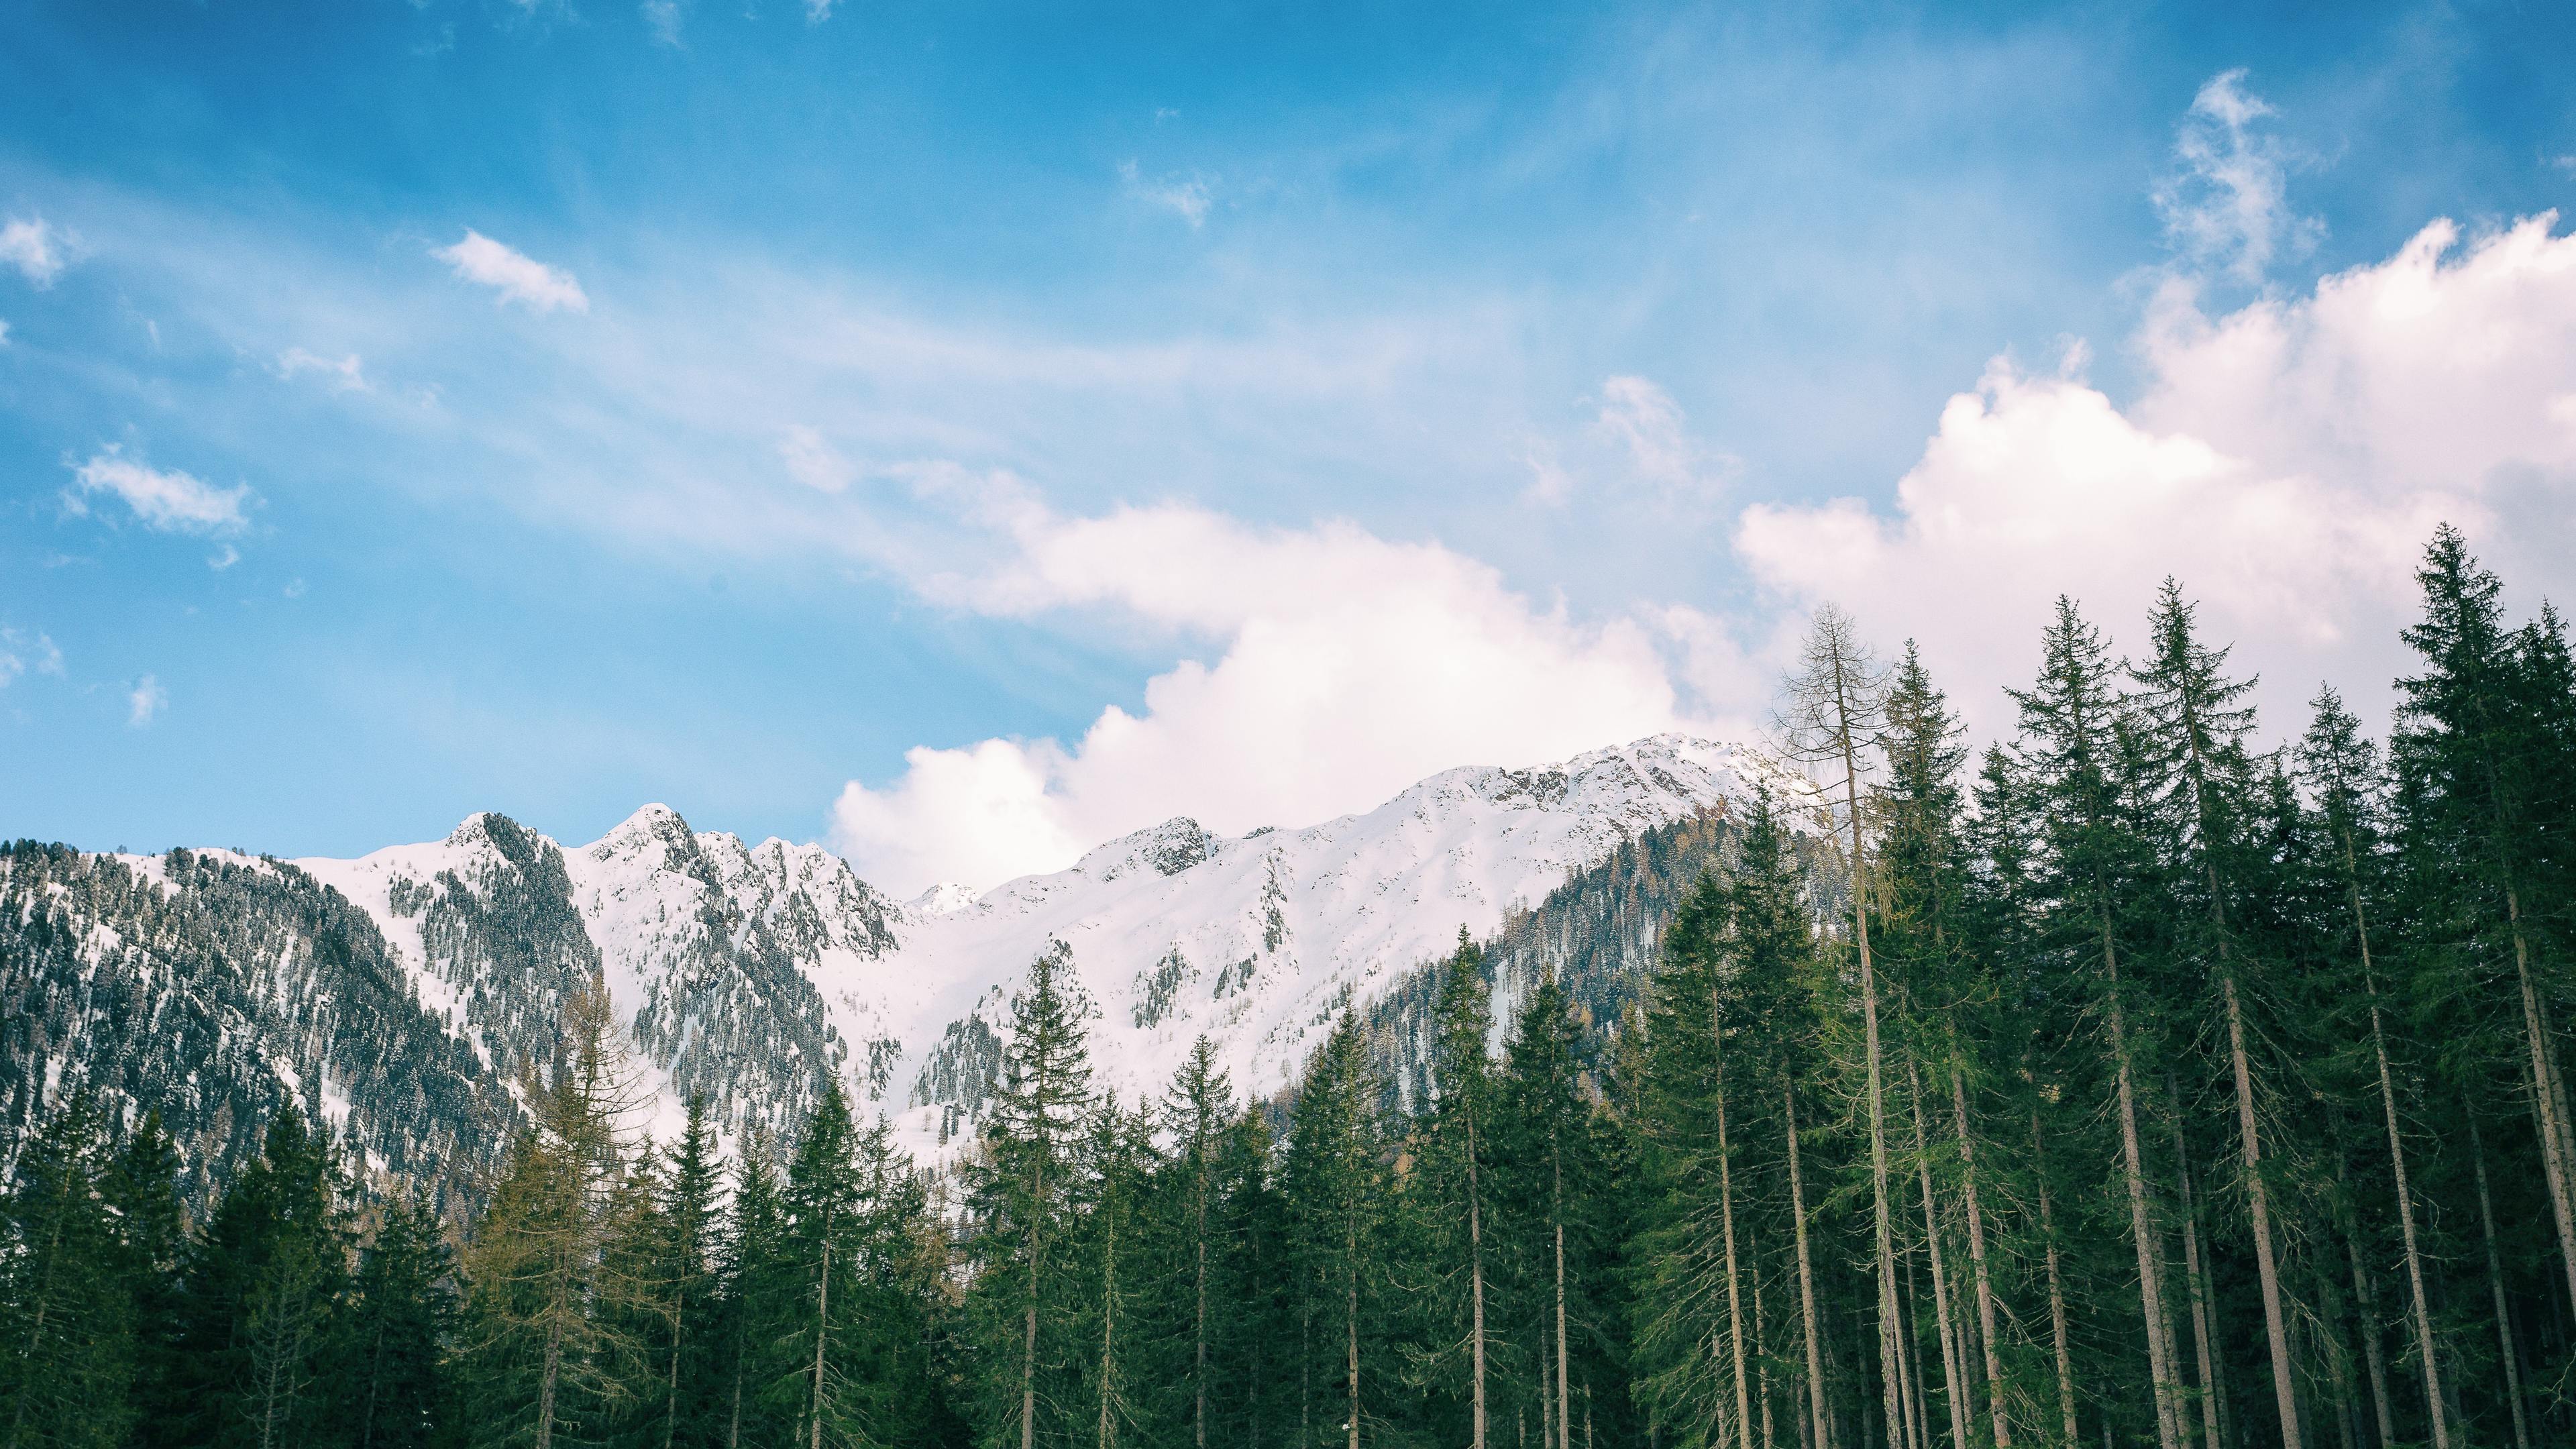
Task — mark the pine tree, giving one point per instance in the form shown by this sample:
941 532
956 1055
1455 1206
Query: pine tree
753 1331
1021 1191
66 1331
1198 1115
2342 772
1335 1179
142 1190
264 1282
1449 1189
392 1367
2080 755
1558 1203
2189 714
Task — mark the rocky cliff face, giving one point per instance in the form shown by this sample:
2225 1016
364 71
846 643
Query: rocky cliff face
398 995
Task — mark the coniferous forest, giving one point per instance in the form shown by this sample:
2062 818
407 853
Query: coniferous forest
2152 1077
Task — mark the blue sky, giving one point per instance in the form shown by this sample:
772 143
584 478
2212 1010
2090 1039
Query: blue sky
414 409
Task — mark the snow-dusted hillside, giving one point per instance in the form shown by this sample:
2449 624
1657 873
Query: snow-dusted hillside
753 974
1258 942
747 972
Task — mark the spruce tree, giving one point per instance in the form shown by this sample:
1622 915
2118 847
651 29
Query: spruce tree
392 1364
1021 1190
67 1339
1335 1179
1449 1189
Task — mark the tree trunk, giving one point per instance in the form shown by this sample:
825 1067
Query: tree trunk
1108 1331
2495 1285
1351 1315
1476 1275
1199 1370
2141 1212
1882 1225
1806 1281
2195 1272
822 1326
2056 1289
2259 1210
671 1401
1556 1168
1953 1357
2422 1313
1734 1294
1977 1259
2374 1361
2544 1097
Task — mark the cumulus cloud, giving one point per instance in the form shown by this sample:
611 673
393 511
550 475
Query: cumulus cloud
21 651
340 374
34 248
1185 196
165 501
1340 667
514 274
145 702
2286 461
2226 206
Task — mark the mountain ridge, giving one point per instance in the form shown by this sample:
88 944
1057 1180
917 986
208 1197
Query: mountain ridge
752 974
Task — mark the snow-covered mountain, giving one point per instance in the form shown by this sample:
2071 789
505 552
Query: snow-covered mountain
752 974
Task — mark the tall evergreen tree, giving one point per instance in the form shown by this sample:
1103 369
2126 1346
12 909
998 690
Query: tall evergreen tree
1021 1195
1450 1191
392 1370
1335 1174
67 1342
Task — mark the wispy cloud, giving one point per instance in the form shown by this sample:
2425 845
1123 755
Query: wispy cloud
517 276
664 18
145 702
21 651
2226 208
164 501
34 248
813 461
1185 196
4 331
340 374
817 11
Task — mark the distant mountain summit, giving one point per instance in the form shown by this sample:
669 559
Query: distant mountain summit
753 973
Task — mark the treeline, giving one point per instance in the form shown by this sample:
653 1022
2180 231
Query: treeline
2132 1084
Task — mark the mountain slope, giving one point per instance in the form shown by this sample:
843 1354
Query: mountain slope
754 973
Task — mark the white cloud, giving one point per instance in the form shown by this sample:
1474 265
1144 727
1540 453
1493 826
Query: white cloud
34 248
340 374
146 700
515 275
2227 207
223 558
21 651
813 461
1637 440
1345 667
664 18
4 331
169 502
817 11
1187 197
2286 461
